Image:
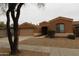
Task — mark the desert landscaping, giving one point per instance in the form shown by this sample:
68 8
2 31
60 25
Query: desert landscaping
39 29
42 46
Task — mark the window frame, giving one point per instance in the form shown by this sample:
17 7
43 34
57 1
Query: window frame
58 28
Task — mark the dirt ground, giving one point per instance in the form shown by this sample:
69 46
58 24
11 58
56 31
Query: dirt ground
46 42
54 42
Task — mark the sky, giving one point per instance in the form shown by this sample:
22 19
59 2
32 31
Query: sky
32 14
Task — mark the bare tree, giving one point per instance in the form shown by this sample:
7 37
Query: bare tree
12 8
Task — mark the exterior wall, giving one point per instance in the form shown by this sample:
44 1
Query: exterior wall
43 24
63 34
27 29
26 32
67 24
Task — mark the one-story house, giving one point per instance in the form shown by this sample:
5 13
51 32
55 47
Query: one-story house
63 26
27 29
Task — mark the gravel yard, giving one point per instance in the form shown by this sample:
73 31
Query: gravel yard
40 46
54 42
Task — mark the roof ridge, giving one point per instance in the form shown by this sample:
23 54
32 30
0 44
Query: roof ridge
61 17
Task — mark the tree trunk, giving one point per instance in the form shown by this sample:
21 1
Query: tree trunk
13 44
15 27
9 32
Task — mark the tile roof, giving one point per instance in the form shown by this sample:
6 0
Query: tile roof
60 17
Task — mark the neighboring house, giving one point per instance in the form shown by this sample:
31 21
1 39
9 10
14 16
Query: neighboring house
61 25
76 27
26 29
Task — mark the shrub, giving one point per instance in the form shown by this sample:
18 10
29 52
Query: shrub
71 36
51 34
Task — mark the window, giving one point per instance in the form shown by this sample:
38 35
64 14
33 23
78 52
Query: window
60 28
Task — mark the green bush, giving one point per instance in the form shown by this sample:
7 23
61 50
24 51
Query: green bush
71 36
51 34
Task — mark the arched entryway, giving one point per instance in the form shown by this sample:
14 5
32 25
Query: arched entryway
44 30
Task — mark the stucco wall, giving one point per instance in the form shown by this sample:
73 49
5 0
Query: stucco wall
26 32
67 24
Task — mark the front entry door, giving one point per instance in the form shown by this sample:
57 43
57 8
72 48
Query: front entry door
44 30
